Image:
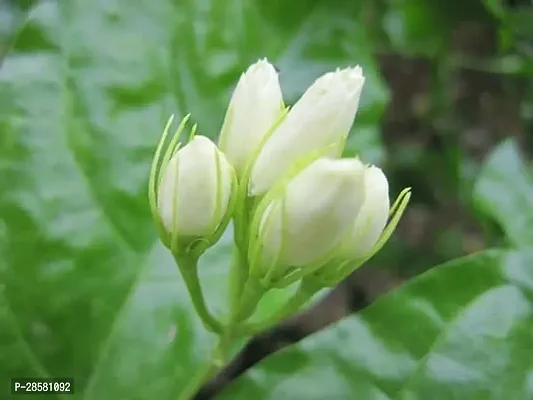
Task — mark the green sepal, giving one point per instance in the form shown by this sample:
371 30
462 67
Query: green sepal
158 166
173 146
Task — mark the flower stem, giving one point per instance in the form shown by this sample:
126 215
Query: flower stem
238 277
305 291
251 294
189 271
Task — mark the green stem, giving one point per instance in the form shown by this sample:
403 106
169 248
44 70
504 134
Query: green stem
251 294
189 271
238 277
214 364
305 291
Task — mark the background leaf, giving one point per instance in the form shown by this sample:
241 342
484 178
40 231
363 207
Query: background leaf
461 331
504 190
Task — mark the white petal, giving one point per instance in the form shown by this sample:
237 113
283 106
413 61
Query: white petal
320 206
373 216
320 118
189 188
255 106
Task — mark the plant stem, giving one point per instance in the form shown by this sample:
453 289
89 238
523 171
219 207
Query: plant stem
305 291
238 277
251 294
189 271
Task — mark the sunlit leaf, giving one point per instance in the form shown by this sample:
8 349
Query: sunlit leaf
504 191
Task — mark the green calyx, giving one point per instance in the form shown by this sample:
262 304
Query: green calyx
159 165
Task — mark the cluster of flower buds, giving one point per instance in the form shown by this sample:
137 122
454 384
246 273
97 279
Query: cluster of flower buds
300 210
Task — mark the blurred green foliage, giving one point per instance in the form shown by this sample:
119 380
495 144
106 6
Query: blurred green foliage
87 291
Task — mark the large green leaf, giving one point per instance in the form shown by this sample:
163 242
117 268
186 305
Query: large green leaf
460 331
86 290
504 191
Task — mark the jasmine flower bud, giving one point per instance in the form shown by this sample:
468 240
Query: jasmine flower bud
310 217
195 189
254 108
323 116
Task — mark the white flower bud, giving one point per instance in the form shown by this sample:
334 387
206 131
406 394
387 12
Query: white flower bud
373 215
322 116
315 212
255 106
195 189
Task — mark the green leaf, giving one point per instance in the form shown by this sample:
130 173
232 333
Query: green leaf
86 290
12 15
426 27
460 331
504 191
496 7
416 27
